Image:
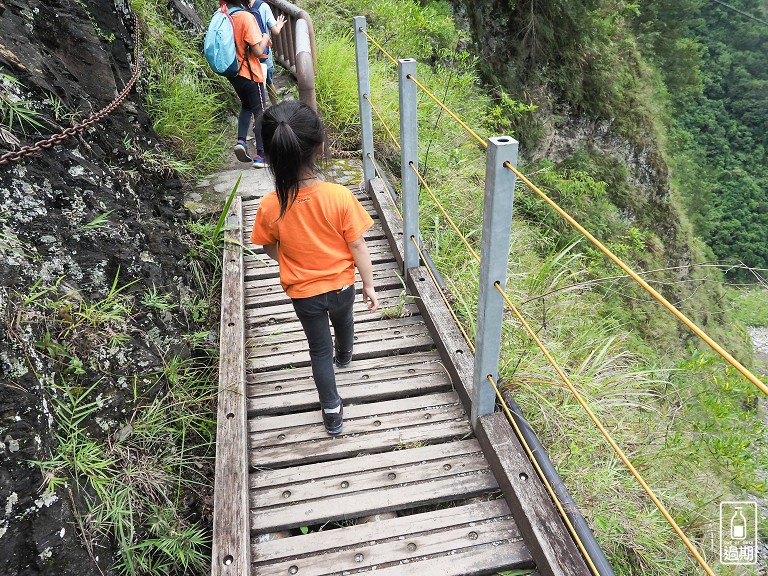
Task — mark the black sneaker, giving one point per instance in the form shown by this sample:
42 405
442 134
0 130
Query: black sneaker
334 421
339 364
342 363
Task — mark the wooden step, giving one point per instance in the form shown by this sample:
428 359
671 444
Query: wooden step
471 539
365 485
391 302
278 350
266 291
292 439
369 380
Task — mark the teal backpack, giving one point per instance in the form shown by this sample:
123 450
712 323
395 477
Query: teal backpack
219 45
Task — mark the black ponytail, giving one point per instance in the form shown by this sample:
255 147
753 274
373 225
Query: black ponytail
292 133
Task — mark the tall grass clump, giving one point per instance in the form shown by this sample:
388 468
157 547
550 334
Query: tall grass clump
187 104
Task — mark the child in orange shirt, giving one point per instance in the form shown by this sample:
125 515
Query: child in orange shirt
249 82
315 231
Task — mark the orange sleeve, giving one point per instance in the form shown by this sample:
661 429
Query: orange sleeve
355 219
265 231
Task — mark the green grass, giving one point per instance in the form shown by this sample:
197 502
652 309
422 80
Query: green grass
140 484
189 105
750 304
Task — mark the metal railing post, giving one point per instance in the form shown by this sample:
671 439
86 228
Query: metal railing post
363 92
409 150
494 256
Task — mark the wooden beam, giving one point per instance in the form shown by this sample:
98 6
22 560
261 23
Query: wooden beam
453 348
231 530
391 222
545 535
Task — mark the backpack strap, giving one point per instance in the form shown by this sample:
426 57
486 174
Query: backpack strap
247 51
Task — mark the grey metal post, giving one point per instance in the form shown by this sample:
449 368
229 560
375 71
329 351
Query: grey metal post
409 155
363 92
494 255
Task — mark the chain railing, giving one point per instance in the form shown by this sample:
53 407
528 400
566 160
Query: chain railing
24 151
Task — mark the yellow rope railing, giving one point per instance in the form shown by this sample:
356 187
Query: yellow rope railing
445 213
663 301
620 263
716 347
547 485
383 123
524 443
379 46
604 432
449 111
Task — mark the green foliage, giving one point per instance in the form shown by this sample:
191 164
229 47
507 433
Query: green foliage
713 64
186 102
750 305
12 108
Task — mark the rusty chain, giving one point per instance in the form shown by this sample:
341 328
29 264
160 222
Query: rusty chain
16 155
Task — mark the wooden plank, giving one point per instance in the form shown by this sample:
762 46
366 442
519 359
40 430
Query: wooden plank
400 528
484 549
292 332
278 350
267 317
323 447
416 409
294 343
547 538
477 538
422 484
269 291
277 441
231 546
348 469
453 348
369 380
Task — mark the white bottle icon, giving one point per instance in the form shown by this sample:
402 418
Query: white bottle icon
738 525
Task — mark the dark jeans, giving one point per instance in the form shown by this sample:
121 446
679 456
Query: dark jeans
252 98
314 313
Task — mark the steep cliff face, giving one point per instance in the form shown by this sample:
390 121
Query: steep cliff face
70 59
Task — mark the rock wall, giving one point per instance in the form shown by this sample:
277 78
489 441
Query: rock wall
71 59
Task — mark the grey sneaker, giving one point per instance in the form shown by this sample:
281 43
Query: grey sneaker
334 422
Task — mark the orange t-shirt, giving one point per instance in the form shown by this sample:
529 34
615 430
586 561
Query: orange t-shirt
312 237
247 32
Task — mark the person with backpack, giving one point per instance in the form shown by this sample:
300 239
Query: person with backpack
269 25
248 83
314 230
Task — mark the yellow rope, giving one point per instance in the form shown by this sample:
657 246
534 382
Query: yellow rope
445 299
447 217
682 317
383 122
448 110
389 192
547 485
605 433
379 46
